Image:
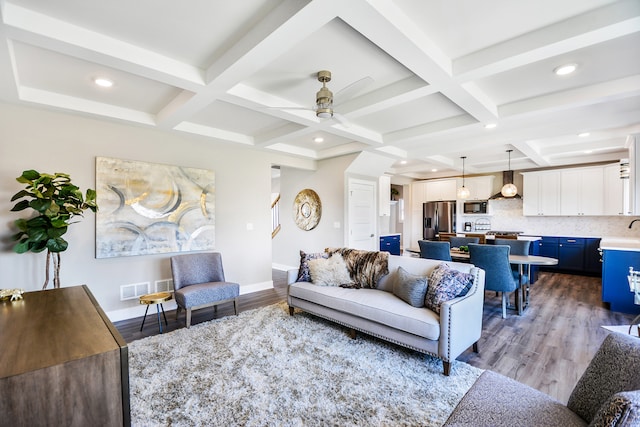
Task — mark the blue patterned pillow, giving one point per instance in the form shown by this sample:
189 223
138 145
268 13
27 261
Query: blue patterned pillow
446 284
303 271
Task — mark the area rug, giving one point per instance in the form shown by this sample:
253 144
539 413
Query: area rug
266 368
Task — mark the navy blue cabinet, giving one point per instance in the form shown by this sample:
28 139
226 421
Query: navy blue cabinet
592 257
570 253
390 244
615 286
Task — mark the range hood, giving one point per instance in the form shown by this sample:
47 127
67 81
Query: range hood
507 178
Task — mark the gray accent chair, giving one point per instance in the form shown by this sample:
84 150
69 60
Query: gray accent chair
494 260
458 241
435 250
198 281
607 394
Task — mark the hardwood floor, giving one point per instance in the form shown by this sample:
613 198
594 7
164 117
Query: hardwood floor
547 348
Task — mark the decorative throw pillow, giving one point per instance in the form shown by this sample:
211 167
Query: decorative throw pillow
446 284
330 271
410 288
303 270
365 267
622 409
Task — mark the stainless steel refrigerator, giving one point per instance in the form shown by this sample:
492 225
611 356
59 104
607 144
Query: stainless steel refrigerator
438 217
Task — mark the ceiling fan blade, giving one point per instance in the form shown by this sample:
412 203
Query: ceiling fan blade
341 119
352 89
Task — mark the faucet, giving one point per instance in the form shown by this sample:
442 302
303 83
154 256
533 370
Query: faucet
633 222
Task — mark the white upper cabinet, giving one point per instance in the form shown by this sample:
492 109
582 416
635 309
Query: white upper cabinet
616 191
541 193
480 187
581 191
444 189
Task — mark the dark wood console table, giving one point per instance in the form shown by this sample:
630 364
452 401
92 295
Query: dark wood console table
62 362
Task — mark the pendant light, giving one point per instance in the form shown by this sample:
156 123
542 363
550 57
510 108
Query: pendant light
509 189
463 192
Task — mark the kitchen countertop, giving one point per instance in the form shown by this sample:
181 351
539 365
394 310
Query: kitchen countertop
620 243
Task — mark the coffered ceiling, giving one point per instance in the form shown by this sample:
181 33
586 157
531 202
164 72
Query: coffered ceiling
414 80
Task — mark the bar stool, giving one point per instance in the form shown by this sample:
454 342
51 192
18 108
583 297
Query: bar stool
157 298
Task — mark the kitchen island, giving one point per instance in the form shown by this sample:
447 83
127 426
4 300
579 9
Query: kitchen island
618 255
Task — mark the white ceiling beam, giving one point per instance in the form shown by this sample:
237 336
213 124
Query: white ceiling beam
421 132
84 106
282 29
529 149
387 26
211 132
53 34
609 22
571 98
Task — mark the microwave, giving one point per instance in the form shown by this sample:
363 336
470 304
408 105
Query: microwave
475 207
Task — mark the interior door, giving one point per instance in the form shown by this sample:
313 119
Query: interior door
362 215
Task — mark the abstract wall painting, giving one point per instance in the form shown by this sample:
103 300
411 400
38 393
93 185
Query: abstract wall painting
148 208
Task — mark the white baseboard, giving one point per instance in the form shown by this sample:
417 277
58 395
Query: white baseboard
138 310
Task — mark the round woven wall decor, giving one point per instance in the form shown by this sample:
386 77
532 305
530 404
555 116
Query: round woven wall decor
307 209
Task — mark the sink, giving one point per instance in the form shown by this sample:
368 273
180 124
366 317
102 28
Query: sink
620 243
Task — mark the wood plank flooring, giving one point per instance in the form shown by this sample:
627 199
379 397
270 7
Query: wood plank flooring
547 348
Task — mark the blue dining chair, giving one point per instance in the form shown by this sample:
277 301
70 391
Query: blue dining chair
518 247
435 250
494 260
456 241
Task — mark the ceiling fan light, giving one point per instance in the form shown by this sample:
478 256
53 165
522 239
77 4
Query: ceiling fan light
509 190
324 113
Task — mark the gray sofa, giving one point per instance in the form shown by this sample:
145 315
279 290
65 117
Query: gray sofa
380 313
607 394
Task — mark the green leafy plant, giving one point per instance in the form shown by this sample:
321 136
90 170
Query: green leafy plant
56 202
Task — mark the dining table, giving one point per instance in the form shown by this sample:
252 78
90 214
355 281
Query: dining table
523 262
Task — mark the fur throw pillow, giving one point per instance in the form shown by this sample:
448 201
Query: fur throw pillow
330 271
365 267
303 270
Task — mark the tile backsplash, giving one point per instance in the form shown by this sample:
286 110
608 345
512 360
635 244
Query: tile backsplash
507 215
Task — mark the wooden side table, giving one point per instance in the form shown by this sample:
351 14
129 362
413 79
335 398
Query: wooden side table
157 298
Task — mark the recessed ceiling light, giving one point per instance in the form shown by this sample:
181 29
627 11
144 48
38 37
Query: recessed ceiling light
490 125
563 70
588 151
102 82
403 162
584 134
318 139
434 170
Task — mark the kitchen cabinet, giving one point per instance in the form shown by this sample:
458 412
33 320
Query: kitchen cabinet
443 189
581 191
570 253
480 187
615 286
384 195
592 256
616 191
390 243
541 193
63 362
548 246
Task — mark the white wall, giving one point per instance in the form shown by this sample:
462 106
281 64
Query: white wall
56 142
329 182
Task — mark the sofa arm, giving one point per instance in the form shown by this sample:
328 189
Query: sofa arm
461 320
292 275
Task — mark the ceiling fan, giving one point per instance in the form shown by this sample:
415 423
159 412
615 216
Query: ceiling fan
324 97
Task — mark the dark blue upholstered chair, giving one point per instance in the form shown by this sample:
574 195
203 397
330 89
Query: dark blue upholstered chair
518 247
456 241
494 260
198 281
435 250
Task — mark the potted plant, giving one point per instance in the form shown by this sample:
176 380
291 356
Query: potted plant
55 201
